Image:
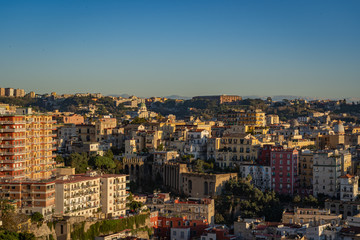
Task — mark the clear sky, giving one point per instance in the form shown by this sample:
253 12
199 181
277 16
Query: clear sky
194 47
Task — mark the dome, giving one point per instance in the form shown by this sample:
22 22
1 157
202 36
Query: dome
339 128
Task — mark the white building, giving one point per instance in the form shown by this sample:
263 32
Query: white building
180 234
113 194
326 173
260 175
320 232
354 221
196 143
77 195
348 187
90 194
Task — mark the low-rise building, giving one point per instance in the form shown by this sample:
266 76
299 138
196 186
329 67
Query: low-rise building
202 185
312 216
180 234
346 208
30 196
191 209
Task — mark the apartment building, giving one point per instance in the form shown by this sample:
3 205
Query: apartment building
349 187
306 172
191 209
241 117
235 148
310 215
86 132
9 92
326 173
162 157
346 208
104 127
260 175
78 195
30 196
90 194
196 143
26 146
113 194
284 171
73 119
19 92
272 119
2 92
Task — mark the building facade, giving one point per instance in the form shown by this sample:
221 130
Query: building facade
285 171
326 173
30 196
26 146
114 194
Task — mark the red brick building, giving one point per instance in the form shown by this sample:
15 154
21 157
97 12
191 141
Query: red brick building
284 171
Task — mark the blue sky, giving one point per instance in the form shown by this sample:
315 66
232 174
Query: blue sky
198 47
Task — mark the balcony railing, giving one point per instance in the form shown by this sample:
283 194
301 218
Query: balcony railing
12 122
11 145
3 130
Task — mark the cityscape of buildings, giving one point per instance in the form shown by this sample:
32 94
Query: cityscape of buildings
198 175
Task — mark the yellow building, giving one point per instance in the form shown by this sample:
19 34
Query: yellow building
250 117
235 148
306 171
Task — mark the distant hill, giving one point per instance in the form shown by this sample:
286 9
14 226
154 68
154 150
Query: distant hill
177 97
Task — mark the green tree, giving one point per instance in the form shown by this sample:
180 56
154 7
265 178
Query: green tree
102 163
138 120
78 161
37 217
199 166
219 219
59 159
160 147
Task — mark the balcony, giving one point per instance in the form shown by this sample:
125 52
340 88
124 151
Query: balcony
13 160
4 130
12 122
11 145
12 168
13 153
12 138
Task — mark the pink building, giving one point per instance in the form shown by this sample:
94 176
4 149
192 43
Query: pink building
284 171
